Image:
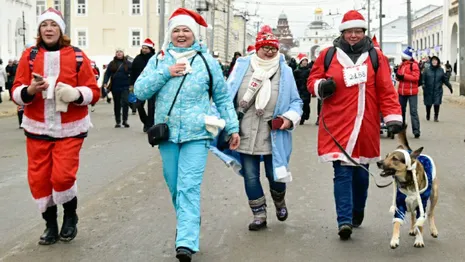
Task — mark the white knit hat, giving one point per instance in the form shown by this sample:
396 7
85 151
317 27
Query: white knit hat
185 17
54 15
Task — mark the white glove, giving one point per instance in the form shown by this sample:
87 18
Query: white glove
65 94
213 123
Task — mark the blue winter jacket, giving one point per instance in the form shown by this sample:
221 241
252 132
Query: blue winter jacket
288 105
186 122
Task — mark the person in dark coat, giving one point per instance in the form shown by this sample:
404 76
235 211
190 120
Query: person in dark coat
293 64
448 69
301 75
11 73
233 62
138 65
118 72
433 78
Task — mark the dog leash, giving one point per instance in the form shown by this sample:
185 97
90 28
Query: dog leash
343 150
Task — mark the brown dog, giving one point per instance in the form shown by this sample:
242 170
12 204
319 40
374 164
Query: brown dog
402 164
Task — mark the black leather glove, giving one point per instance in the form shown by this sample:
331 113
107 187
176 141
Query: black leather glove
400 77
394 127
326 88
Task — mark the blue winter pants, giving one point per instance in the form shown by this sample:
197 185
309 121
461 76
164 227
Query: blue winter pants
251 169
350 191
183 167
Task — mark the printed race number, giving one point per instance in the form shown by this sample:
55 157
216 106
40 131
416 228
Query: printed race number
355 75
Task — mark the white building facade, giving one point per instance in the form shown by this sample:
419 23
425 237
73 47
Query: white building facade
451 34
427 35
14 32
394 39
317 36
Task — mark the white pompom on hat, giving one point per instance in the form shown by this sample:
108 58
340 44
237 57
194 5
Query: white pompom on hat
54 15
353 19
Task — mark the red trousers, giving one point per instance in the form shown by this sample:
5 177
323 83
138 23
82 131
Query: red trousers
52 169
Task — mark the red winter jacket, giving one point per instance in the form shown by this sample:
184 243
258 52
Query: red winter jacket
411 72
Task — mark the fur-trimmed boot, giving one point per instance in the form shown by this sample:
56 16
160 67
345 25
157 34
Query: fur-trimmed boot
70 219
280 204
258 207
50 235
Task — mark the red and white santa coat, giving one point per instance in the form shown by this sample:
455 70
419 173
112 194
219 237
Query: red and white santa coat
40 116
352 113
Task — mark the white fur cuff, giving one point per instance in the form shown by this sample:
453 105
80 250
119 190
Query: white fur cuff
293 116
390 118
86 93
315 87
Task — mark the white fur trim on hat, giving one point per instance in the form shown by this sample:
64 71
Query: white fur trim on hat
353 24
54 17
179 20
405 56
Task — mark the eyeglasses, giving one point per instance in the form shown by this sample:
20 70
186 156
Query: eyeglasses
354 32
269 48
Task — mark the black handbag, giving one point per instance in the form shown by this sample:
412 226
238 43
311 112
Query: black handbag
161 132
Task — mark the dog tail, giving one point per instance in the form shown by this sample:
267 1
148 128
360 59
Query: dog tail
402 136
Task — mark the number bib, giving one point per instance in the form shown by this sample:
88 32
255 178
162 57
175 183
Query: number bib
355 75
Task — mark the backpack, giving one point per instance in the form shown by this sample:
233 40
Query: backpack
411 70
210 83
77 52
332 51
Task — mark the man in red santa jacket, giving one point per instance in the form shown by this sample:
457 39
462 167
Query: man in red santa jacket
353 95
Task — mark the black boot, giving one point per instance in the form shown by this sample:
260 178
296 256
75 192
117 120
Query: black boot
50 235
70 219
125 124
259 214
184 254
345 231
357 218
280 204
436 118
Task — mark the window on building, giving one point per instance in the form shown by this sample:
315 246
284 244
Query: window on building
57 5
434 43
135 7
421 43
82 38
81 7
135 37
40 7
167 7
9 37
437 36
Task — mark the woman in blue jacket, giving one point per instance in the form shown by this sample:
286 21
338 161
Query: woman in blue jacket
119 70
192 123
269 108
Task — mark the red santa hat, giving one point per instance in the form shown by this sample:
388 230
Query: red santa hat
54 15
353 19
266 38
300 57
147 42
375 42
184 17
250 49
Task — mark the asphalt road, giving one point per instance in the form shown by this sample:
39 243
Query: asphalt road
126 214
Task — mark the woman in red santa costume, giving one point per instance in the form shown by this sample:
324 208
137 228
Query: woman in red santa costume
353 94
55 83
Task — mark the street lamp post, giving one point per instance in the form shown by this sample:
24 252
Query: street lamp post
409 23
381 24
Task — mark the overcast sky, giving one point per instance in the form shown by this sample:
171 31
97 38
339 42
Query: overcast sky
301 12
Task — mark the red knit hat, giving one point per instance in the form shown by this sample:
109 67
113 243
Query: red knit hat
353 19
266 38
